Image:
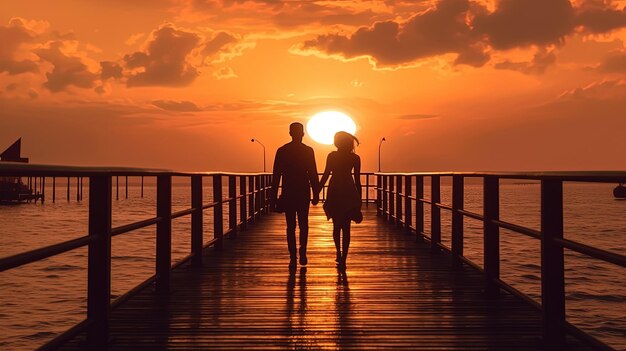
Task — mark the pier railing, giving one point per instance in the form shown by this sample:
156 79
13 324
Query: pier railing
398 205
250 190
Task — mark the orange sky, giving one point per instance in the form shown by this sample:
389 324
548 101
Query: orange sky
185 84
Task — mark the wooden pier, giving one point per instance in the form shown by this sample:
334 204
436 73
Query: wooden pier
395 294
403 288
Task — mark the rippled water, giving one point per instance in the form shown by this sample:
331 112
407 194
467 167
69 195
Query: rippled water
45 298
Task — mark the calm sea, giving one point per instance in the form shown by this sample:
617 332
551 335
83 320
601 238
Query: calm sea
43 299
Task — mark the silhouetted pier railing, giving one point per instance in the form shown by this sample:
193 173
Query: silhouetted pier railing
253 201
398 205
246 197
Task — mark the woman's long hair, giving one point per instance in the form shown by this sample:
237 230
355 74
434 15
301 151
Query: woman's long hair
345 141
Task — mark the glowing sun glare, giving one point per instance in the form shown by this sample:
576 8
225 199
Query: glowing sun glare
323 126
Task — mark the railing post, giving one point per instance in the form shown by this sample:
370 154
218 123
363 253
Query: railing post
257 196
552 264
99 260
491 239
399 193
435 213
457 220
392 200
232 205
263 195
243 202
367 190
218 212
379 195
419 207
251 202
408 212
197 220
164 233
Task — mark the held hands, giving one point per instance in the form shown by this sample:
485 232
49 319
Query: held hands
316 198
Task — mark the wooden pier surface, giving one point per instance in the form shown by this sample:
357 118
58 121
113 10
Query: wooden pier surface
395 294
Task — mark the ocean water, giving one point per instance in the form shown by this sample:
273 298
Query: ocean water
45 298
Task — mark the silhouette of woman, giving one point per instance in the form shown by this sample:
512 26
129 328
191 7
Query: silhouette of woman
343 200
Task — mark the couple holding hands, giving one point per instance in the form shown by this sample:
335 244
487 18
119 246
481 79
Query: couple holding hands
295 164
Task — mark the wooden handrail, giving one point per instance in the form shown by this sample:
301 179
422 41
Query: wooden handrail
100 230
390 195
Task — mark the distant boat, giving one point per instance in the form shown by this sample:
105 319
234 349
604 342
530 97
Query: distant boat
620 191
12 190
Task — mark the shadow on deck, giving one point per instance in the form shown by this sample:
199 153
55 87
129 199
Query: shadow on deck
395 294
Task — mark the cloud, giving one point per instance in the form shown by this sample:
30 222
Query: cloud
600 16
14 37
304 13
614 63
133 39
519 23
284 14
110 69
11 87
417 116
472 31
539 64
176 106
166 60
224 46
217 42
69 67
439 30
606 90
225 73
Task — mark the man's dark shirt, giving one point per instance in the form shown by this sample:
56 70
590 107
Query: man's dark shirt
295 162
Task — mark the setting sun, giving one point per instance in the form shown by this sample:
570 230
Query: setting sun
323 126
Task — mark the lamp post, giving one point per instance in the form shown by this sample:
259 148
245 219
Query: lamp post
379 145
260 143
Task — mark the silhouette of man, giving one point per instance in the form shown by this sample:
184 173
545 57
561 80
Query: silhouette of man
295 163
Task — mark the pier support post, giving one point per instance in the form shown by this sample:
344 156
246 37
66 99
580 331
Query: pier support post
243 203
457 220
77 189
435 213
408 202
99 261
367 190
54 189
196 220
552 264
392 200
382 202
164 233
491 239
142 187
68 189
117 187
251 198
399 193
218 212
232 205
419 207
43 189
126 186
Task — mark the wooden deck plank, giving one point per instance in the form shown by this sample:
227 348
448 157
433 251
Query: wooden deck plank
395 294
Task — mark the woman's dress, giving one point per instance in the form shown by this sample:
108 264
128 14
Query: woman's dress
342 198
